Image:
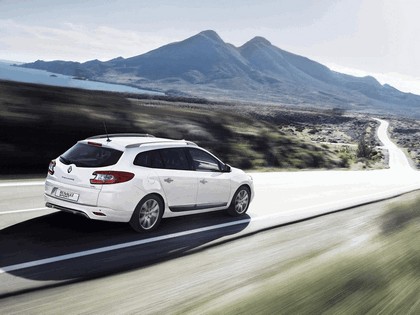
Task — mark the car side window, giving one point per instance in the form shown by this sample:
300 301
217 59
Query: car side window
203 161
149 159
175 159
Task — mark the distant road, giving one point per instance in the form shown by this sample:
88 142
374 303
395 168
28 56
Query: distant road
397 159
40 247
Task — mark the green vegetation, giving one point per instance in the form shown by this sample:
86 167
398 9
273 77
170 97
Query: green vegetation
364 150
346 156
382 277
366 153
400 216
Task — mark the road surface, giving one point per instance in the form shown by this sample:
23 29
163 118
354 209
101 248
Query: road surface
42 250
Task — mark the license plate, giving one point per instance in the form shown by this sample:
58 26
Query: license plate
67 195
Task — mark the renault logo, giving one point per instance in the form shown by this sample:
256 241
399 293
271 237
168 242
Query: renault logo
69 170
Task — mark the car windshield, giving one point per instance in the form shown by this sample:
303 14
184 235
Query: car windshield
85 155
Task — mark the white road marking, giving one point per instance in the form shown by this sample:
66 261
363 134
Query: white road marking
17 184
40 262
24 210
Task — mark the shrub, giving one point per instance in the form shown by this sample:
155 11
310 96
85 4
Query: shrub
364 150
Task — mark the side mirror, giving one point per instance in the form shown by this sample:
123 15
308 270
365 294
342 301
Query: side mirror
226 168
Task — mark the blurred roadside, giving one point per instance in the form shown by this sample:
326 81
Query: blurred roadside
38 123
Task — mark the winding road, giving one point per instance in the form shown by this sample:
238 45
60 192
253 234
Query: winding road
42 250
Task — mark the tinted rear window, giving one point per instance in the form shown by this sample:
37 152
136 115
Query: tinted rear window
173 158
149 159
85 155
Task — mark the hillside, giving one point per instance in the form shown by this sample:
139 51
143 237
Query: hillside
205 66
38 123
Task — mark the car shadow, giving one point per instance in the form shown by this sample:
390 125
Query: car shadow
60 233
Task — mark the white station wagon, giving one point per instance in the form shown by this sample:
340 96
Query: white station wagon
141 179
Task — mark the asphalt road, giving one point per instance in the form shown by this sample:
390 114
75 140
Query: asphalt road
47 251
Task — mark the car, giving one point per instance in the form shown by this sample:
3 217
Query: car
140 179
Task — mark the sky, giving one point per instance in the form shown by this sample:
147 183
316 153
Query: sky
358 37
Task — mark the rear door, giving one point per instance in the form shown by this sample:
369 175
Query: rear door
178 180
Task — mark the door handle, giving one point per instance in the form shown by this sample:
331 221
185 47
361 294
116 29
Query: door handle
203 181
168 180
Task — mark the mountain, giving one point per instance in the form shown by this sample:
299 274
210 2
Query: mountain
205 66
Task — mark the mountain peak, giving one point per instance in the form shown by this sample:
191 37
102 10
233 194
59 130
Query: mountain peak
211 35
258 40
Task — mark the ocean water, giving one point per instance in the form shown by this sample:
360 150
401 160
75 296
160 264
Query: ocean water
13 73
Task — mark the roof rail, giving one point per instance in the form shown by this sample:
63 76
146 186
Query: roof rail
135 145
113 135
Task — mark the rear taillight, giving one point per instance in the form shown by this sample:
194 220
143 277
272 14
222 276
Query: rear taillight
51 167
110 177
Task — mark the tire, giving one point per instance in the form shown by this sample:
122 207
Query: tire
240 202
148 214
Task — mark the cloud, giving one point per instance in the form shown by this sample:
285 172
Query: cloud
75 42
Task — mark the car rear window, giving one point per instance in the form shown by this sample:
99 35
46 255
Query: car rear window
85 155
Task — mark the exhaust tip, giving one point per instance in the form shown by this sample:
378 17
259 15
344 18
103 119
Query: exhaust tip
100 214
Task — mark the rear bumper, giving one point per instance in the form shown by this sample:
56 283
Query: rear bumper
72 211
91 212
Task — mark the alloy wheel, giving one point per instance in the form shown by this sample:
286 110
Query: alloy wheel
241 201
149 214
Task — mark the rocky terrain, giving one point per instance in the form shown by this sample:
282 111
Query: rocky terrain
406 133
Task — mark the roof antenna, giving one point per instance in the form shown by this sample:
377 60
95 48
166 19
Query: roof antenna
106 131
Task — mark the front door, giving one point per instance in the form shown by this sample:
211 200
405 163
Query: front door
213 184
213 189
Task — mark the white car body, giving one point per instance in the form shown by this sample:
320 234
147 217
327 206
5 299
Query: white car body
74 188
